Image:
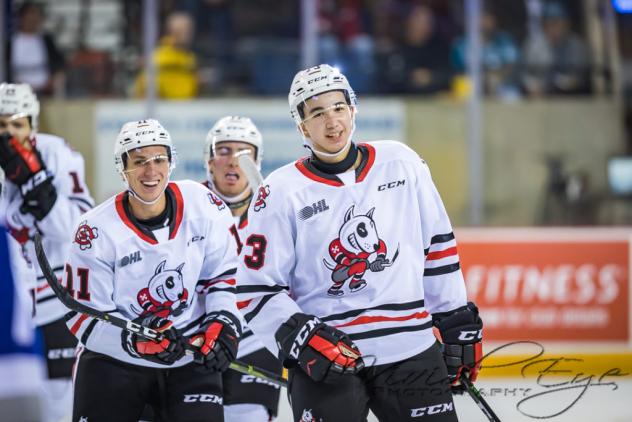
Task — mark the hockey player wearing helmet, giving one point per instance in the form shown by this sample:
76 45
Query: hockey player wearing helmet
246 398
44 190
161 254
349 260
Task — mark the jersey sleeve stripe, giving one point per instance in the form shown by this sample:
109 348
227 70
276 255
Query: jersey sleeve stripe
46 299
81 200
265 299
380 318
446 269
386 307
442 238
88 331
442 254
217 289
77 325
260 289
389 331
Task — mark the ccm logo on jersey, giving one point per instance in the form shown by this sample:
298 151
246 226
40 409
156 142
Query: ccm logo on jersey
391 185
431 410
250 379
470 335
302 336
202 398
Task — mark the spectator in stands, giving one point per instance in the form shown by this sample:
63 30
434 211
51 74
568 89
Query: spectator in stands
499 57
33 56
344 40
557 61
176 64
421 63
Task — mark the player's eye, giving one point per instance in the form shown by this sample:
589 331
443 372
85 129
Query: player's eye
362 230
139 162
161 159
339 108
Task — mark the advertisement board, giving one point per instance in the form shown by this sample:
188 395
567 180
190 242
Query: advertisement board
189 121
549 284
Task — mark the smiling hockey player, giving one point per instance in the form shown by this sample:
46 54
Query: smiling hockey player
368 344
161 254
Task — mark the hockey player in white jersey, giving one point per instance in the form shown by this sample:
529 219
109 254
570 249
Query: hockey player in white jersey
161 254
349 261
246 398
45 191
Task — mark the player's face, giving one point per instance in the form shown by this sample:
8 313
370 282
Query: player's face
228 177
19 128
147 171
328 121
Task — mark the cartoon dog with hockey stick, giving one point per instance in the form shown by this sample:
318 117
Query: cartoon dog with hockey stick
357 249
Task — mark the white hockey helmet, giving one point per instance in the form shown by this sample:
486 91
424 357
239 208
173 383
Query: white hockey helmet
19 100
139 134
314 81
237 129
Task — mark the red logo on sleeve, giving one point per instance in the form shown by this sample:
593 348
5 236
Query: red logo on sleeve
85 235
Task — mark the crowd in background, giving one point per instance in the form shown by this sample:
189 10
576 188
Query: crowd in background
252 47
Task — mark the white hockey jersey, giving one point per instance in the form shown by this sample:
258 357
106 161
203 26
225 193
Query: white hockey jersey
369 251
181 272
248 343
73 199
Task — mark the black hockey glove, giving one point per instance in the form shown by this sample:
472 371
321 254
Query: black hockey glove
462 335
323 352
217 340
165 352
18 162
25 168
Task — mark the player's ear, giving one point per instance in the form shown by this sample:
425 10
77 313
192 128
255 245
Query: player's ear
303 129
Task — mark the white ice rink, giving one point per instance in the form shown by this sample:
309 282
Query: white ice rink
596 404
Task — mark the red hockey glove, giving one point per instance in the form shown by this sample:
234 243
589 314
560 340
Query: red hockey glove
323 352
217 340
462 336
169 350
24 168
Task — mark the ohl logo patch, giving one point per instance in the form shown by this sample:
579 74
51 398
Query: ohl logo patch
85 235
262 193
357 249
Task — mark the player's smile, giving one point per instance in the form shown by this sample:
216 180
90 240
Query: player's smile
328 121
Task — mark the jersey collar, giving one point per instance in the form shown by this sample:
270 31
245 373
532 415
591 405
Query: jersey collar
174 196
306 167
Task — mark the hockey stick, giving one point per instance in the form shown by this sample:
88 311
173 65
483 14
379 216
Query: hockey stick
478 399
250 169
66 298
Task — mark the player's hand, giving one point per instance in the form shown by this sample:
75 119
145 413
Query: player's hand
169 350
24 167
323 352
379 264
18 162
217 340
462 336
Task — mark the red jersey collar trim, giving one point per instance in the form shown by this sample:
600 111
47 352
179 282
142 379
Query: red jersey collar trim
302 167
173 229
361 172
